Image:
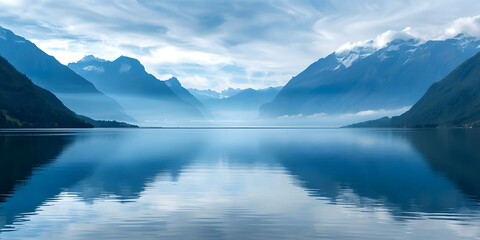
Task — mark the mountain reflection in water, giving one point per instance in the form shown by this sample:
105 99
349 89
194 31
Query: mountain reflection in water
226 183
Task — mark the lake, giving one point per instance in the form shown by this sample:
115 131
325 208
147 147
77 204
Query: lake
240 184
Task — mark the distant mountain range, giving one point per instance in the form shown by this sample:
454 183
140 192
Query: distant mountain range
365 78
25 105
73 90
208 94
236 104
452 102
142 95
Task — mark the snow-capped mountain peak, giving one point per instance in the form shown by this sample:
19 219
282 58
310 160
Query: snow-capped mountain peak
396 44
91 58
349 53
464 40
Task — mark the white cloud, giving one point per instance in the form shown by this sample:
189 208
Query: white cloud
378 113
176 55
381 41
353 45
195 81
467 25
11 2
338 120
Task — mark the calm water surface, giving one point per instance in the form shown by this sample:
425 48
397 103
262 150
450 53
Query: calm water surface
240 184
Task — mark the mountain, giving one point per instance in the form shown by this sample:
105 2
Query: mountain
208 94
25 105
365 78
186 96
45 71
452 102
243 105
144 96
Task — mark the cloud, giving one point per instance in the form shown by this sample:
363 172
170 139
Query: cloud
176 55
338 120
381 40
377 113
270 40
467 25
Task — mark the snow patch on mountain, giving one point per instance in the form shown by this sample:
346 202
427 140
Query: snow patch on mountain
125 68
348 55
92 68
348 61
464 40
3 35
393 48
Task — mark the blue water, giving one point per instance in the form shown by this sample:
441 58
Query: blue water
240 184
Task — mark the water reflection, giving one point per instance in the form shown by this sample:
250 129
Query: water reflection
129 162
382 166
455 154
20 155
228 184
98 164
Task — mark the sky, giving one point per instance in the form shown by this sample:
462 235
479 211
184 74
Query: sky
231 43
